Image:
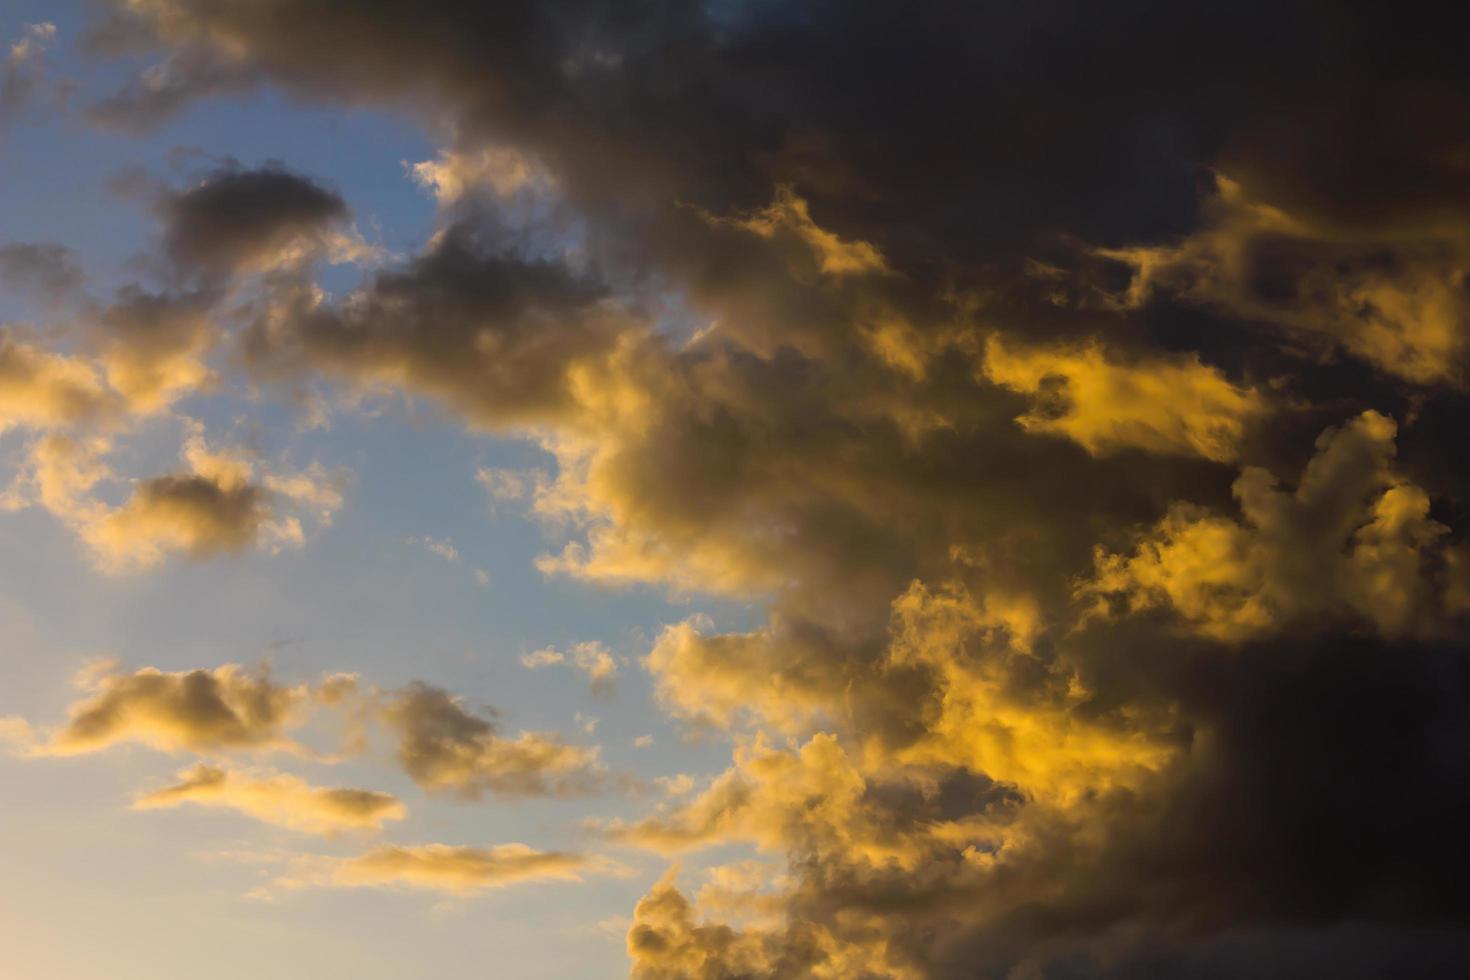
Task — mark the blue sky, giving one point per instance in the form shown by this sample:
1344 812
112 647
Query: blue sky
365 595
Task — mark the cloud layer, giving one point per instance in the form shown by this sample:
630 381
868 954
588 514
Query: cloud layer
1075 394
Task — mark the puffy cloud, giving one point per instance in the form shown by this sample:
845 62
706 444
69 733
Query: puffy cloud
1105 405
792 401
1354 540
668 942
1391 293
494 334
152 346
218 710
44 390
236 220
277 798
445 748
223 503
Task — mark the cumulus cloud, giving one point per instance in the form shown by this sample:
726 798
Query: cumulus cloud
493 333
224 502
1354 539
784 357
39 389
220 710
237 220
446 748
153 346
277 798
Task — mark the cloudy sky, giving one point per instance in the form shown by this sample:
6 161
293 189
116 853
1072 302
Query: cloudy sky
733 489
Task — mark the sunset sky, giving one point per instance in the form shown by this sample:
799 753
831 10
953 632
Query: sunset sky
733 490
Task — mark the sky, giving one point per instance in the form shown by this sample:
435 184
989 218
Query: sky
733 490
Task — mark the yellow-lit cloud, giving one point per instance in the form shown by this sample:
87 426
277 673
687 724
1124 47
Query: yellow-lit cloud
223 502
44 390
224 709
278 798
439 867
789 215
1390 295
1105 404
1353 540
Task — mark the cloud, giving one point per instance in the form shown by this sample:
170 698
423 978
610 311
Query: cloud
445 748
1354 540
444 548
23 71
153 345
47 267
455 174
42 390
790 216
165 88
1104 405
444 868
776 327
279 799
1390 294
220 710
236 220
542 658
492 333
590 657
503 484
224 502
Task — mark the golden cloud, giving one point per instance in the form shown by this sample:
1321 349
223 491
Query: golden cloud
1105 404
1353 540
224 709
279 799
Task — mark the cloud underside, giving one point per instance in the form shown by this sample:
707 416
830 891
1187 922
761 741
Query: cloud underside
1089 437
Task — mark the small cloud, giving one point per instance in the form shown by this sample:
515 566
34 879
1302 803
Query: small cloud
541 658
443 547
505 486
591 658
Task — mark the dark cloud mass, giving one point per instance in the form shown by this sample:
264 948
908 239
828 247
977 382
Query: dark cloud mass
241 220
1077 385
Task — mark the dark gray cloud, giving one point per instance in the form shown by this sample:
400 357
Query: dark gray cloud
49 269
239 220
